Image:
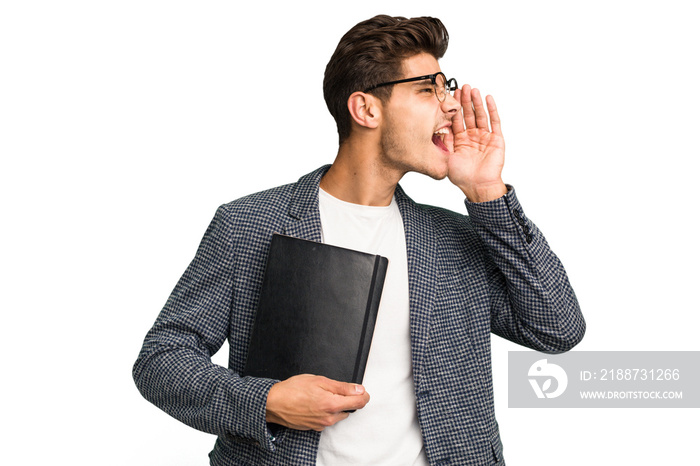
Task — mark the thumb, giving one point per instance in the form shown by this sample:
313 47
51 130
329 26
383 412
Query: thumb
343 388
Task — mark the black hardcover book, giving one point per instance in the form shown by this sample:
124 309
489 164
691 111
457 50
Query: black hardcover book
317 311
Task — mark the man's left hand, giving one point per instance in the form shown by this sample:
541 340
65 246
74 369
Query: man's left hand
477 161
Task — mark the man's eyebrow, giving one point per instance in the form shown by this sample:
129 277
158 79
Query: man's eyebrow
422 82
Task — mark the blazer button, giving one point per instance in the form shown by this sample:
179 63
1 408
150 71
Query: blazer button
529 238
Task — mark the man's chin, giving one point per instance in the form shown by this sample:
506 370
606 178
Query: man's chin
434 173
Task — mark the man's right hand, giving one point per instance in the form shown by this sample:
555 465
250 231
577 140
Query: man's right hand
312 402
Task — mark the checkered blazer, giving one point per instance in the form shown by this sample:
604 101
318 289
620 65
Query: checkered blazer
491 271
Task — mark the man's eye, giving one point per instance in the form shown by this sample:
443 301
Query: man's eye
427 89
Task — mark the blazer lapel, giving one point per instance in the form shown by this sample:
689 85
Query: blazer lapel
421 251
304 220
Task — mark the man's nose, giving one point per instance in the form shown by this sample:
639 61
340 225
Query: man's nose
450 105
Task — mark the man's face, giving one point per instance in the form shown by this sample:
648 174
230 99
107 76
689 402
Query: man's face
413 120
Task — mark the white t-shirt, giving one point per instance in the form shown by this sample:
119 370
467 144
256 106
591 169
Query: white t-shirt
385 431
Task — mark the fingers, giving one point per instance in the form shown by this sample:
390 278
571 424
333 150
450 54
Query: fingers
493 114
482 121
475 114
341 388
308 402
348 396
467 107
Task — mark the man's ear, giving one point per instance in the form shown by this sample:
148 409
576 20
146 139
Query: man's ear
365 109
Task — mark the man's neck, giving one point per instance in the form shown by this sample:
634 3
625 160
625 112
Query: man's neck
357 176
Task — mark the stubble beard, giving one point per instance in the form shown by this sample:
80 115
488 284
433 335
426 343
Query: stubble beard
399 154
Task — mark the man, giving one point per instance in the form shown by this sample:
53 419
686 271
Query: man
452 279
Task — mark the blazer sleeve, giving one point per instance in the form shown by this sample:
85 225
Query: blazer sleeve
532 301
174 370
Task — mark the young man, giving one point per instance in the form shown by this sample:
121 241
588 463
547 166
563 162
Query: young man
452 279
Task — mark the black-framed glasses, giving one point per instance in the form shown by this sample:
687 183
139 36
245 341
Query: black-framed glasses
441 84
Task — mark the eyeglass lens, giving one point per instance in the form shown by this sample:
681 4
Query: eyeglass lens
441 87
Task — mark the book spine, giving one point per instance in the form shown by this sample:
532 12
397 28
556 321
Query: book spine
371 310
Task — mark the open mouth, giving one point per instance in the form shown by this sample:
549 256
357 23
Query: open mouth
439 138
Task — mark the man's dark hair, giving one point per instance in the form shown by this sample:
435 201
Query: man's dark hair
371 53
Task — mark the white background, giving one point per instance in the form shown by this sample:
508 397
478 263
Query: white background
123 125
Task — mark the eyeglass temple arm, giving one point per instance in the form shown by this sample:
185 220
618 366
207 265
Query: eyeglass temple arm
418 78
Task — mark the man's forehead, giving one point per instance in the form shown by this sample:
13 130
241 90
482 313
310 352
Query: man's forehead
420 65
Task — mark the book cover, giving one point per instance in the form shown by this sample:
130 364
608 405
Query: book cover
317 311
